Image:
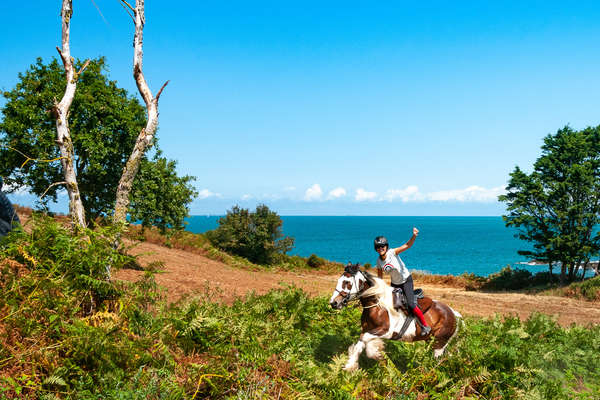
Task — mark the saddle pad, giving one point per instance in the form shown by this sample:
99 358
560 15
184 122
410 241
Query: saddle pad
425 303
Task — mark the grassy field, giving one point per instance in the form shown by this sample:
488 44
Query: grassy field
68 333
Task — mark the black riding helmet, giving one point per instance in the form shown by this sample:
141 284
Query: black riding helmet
380 241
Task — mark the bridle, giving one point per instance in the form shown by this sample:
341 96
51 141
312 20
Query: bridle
346 298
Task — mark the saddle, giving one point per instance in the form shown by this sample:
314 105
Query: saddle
423 301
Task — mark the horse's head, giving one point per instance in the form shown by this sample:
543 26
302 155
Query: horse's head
349 286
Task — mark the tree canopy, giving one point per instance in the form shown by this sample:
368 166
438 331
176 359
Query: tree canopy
104 121
160 198
557 205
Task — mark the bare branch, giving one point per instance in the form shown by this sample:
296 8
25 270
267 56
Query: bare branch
160 91
62 57
100 12
61 113
49 187
128 5
87 62
146 135
126 9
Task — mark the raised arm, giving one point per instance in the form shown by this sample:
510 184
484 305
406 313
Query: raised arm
408 244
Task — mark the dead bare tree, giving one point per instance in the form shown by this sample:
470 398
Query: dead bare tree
146 135
61 113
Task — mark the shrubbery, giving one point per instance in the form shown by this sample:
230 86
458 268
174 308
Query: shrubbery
315 261
255 236
586 290
128 345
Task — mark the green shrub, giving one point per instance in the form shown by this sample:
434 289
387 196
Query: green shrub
589 290
508 279
315 261
255 236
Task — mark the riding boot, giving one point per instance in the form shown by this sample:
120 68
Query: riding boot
425 329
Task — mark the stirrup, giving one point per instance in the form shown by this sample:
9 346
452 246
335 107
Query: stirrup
425 330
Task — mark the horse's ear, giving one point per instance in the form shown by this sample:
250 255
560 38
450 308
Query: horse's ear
368 277
351 268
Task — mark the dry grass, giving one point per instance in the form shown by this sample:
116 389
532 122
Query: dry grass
461 282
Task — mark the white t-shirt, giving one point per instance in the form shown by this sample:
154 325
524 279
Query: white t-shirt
394 266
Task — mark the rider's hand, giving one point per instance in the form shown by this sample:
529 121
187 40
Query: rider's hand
415 232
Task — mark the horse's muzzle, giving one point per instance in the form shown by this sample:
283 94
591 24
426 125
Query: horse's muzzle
337 305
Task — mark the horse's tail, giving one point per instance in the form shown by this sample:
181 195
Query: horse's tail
457 314
459 321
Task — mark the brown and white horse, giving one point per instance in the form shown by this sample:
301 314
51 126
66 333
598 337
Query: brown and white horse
380 320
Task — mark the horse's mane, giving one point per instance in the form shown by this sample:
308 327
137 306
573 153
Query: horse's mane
380 290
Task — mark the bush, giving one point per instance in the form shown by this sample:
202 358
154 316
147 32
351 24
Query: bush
254 235
315 261
586 290
516 279
508 279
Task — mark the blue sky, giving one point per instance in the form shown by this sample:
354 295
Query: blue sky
347 108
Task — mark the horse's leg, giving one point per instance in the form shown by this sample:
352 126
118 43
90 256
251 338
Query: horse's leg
375 349
353 354
372 343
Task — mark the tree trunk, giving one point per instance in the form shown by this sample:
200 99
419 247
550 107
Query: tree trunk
585 268
61 113
572 267
146 135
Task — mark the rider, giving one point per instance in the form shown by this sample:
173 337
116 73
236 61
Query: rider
389 261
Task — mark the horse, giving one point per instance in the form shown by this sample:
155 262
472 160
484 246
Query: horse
380 320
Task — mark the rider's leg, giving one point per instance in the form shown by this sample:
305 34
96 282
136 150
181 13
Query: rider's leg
409 291
397 296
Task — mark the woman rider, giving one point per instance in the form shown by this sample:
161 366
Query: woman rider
389 262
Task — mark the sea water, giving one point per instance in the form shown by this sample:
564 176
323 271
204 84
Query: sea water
445 245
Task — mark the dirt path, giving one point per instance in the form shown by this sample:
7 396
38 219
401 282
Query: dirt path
188 273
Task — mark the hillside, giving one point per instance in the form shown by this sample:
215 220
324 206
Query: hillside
187 273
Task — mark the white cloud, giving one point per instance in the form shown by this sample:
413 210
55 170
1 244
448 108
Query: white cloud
20 190
410 193
289 188
363 195
246 197
471 194
205 193
313 193
336 193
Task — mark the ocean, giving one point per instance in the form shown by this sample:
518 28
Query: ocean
446 245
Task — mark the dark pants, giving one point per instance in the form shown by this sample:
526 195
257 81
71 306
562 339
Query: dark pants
409 291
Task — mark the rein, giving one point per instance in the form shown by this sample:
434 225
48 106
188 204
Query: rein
378 304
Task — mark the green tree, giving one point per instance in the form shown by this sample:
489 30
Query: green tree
159 197
104 121
256 235
557 206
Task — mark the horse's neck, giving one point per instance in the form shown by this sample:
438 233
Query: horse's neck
368 300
